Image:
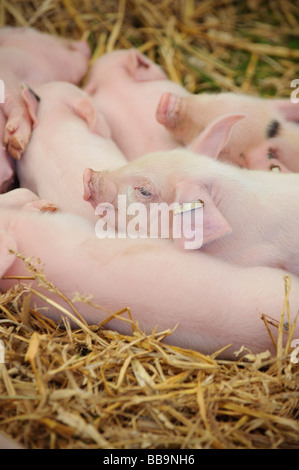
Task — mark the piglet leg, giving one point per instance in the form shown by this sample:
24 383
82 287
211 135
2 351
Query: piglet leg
19 108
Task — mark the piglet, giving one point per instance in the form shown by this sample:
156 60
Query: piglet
187 117
31 57
248 217
128 87
70 134
36 57
163 286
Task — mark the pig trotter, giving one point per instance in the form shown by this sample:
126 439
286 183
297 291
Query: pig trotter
21 119
49 207
15 146
42 206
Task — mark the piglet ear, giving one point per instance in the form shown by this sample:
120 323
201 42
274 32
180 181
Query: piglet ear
202 220
216 135
7 242
288 109
138 65
85 109
31 101
101 126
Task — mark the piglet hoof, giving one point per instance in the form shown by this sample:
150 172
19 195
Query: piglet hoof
16 139
49 207
41 206
21 119
15 149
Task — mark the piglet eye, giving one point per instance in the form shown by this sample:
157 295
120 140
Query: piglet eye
143 191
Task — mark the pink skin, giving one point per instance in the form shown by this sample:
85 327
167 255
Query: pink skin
37 57
6 171
17 198
288 109
128 87
70 132
7 443
6 163
187 117
124 272
282 151
23 198
31 57
249 218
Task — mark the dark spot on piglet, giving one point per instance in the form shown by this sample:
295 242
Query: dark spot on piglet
273 128
271 153
34 94
24 85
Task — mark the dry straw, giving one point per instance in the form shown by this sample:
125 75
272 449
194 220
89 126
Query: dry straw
93 388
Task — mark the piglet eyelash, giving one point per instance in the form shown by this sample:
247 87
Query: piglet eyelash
143 191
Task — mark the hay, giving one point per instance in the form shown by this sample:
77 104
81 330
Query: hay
94 388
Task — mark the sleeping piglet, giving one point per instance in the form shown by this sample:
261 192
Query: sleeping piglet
32 57
163 286
248 217
128 86
48 57
70 134
186 117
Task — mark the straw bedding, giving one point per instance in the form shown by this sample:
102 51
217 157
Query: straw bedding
94 388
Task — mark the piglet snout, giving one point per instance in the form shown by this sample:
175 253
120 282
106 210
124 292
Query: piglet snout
98 187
